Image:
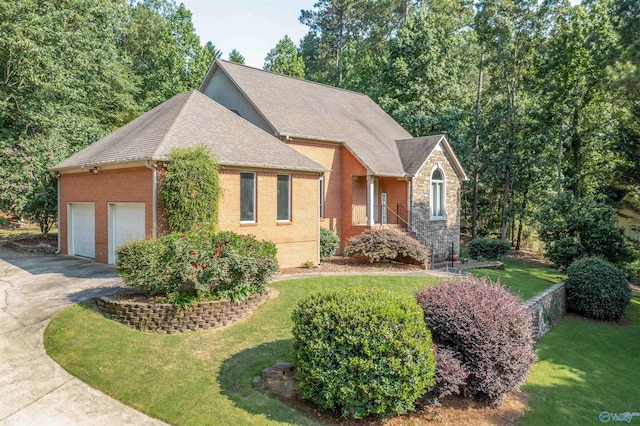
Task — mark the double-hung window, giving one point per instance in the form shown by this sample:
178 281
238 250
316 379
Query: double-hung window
284 198
437 195
247 197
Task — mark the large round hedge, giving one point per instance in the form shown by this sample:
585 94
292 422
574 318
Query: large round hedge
362 351
597 289
486 327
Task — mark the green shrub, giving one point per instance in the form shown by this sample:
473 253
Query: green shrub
381 245
329 243
362 351
597 289
220 265
573 228
189 190
143 263
42 205
488 248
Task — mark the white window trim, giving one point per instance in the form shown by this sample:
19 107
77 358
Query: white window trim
443 195
634 231
288 219
255 197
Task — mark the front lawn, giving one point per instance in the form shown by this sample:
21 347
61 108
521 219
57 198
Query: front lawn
200 377
522 279
584 367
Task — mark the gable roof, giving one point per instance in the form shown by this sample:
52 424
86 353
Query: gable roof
185 120
304 109
414 153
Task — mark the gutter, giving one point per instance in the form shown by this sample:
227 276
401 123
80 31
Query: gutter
154 198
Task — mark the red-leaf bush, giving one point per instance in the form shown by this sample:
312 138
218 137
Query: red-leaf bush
382 245
451 375
487 326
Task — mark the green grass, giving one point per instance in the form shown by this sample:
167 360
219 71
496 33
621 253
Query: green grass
200 377
205 377
585 368
522 279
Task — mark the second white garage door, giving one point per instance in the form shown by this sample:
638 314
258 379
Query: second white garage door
126 223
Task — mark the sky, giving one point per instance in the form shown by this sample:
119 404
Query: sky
253 27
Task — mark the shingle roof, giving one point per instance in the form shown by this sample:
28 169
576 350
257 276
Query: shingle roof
297 107
414 152
185 120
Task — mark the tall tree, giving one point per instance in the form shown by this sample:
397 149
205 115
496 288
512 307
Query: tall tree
336 24
163 50
56 93
284 59
575 85
508 29
428 82
235 56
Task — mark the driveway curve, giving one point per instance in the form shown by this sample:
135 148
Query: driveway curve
34 389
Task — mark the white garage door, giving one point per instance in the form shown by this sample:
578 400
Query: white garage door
126 223
82 229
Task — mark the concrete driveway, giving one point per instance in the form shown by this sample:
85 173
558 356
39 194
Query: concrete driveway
34 390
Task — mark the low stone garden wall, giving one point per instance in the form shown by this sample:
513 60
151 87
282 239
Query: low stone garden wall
547 308
165 318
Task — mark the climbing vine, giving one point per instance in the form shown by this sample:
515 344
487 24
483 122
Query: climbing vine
189 190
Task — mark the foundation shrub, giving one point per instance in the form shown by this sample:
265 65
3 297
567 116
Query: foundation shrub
382 245
489 329
362 351
329 243
202 263
488 248
597 289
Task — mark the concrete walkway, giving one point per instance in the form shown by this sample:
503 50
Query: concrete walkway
34 390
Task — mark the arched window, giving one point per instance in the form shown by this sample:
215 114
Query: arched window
437 194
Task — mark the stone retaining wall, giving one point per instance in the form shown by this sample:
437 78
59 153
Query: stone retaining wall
168 319
547 308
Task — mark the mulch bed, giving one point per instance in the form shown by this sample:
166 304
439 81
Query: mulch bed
339 264
31 240
455 410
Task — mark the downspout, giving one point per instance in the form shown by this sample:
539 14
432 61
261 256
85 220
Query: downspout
58 184
409 198
154 198
318 210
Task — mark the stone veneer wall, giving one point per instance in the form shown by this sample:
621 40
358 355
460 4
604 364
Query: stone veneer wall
547 308
168 319
421 200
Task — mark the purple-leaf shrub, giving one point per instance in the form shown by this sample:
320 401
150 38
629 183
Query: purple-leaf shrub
451 375
381 245
487 326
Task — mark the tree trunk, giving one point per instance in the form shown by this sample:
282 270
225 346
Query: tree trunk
559 164
524 206
507 173
474 208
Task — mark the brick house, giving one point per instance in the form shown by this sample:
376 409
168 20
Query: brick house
379 175
294 155
108 192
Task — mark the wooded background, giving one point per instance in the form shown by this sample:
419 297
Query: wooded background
537 99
